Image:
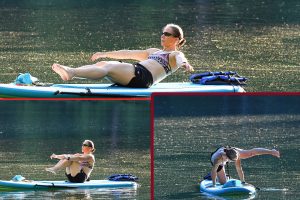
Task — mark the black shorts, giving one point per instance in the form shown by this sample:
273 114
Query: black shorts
79 178
143 77
220 167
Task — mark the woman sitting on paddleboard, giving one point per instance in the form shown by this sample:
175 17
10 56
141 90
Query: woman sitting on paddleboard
222 155
78 166
154 64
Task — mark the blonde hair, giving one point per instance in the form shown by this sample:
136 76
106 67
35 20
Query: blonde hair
177 32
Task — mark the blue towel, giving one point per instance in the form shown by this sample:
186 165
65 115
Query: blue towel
25 79
18 178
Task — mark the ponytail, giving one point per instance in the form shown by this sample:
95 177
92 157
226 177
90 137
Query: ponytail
181 43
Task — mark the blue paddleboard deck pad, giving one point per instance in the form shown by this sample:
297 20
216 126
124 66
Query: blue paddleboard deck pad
37 185
107 90
232 187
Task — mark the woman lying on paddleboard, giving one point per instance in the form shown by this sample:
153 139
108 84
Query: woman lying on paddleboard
154 64
78 166
222 155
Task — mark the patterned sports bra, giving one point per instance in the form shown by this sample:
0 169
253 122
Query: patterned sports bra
86 164
162 58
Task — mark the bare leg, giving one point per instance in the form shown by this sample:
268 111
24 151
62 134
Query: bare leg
222 176
62 164
88 71
73 169
244 154
118 72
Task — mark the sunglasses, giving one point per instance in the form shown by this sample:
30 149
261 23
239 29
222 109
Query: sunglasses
86 145
168 34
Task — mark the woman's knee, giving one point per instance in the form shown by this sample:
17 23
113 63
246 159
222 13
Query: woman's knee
107 63
101 63
222 176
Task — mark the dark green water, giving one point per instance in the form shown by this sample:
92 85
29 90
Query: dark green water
187 129
258 38
30 131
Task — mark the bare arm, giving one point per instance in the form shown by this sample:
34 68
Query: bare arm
139 55
239 170
181 61
216 164
73 157
59 157
214 174
81 157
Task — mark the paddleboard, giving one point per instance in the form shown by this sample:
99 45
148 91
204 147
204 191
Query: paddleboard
107 90
36 185
231 187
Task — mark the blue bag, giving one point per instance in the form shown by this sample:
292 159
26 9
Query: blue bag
218 78
207 176
122 177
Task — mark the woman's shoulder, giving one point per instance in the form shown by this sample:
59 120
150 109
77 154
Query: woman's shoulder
89 156
92 158
177 53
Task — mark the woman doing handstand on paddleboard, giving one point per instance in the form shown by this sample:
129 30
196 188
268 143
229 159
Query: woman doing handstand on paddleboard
154 64
78 166
222 155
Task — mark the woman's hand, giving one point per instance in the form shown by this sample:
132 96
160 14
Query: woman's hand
188 67
98 55
60 157
53 156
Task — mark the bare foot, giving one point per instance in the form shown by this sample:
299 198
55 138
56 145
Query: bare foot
275 153
50 170
66 73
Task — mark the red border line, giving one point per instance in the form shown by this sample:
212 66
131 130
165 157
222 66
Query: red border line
152 148
79 99
225 94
